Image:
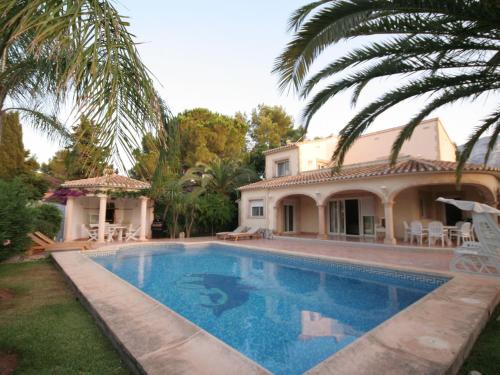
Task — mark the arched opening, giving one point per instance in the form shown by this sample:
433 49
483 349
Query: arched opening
297 214
353 214
419 203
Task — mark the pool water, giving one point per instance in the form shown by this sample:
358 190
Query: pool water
286 313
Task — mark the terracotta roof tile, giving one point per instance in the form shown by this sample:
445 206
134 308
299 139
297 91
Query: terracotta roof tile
281 148
112 181
367 170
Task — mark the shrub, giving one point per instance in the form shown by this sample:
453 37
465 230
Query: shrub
16 218
47 219
216 211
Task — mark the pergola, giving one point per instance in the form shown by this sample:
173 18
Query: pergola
91 205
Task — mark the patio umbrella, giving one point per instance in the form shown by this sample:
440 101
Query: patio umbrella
479 208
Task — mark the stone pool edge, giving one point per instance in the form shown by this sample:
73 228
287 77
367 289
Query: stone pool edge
432 336
150 337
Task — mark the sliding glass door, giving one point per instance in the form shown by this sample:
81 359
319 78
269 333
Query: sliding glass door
288 218
337 216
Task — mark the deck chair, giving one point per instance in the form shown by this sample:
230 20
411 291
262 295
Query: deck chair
44 237
222 235
482 257
251 233
132 234
73 245
91 234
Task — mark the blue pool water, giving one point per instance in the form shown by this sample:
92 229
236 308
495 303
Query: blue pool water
286 313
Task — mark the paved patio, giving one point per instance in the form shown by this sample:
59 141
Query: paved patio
405 256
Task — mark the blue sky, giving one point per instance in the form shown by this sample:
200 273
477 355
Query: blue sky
219 55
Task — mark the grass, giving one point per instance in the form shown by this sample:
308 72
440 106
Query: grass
48 328
485 355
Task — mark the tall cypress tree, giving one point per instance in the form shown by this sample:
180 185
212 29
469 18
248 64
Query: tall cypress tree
12 152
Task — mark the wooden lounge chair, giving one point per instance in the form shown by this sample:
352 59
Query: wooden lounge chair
47 246
223 235
252 233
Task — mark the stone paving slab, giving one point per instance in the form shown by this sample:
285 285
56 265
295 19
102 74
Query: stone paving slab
153 338
432 336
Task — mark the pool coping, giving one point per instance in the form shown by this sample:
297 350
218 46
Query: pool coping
432 336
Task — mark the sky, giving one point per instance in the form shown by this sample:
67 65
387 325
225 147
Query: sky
219 55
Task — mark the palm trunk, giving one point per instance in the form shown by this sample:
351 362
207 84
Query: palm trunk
175 216
190 223
2 114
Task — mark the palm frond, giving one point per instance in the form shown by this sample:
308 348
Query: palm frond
81 51
48 124
445 50
464 155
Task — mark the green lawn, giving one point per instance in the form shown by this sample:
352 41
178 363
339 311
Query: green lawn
485 356
48 328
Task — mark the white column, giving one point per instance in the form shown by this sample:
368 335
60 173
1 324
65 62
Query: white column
278 223
321 222
68 219
389 222
102 217
144 210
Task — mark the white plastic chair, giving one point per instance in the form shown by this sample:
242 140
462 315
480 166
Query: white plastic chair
109 232
465 232
91 234
436 231
417 232
132 234
455 232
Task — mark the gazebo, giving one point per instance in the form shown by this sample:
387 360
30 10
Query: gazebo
99 202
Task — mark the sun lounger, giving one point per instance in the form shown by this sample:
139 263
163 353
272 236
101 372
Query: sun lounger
251 233
74 245
481 257
223 235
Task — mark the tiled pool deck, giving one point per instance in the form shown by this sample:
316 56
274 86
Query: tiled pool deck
433 336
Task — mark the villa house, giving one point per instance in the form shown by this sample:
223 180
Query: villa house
301 195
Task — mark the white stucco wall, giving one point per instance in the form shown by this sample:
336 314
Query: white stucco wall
312 152
447 149
424 143
429 141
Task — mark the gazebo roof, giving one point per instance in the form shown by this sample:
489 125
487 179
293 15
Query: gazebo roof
108 182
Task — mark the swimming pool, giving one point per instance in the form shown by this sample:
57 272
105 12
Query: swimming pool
286 313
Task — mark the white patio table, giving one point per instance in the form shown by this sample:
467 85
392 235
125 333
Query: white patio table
117 227
446 230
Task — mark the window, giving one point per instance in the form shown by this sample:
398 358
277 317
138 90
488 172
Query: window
282 168
257 208
321 164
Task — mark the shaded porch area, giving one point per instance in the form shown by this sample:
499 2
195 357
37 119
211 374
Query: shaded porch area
362 216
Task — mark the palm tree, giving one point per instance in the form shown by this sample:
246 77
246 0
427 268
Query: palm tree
59 52
220 176
446 50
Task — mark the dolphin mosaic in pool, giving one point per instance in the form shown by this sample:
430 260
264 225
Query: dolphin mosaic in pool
223 292
286 313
